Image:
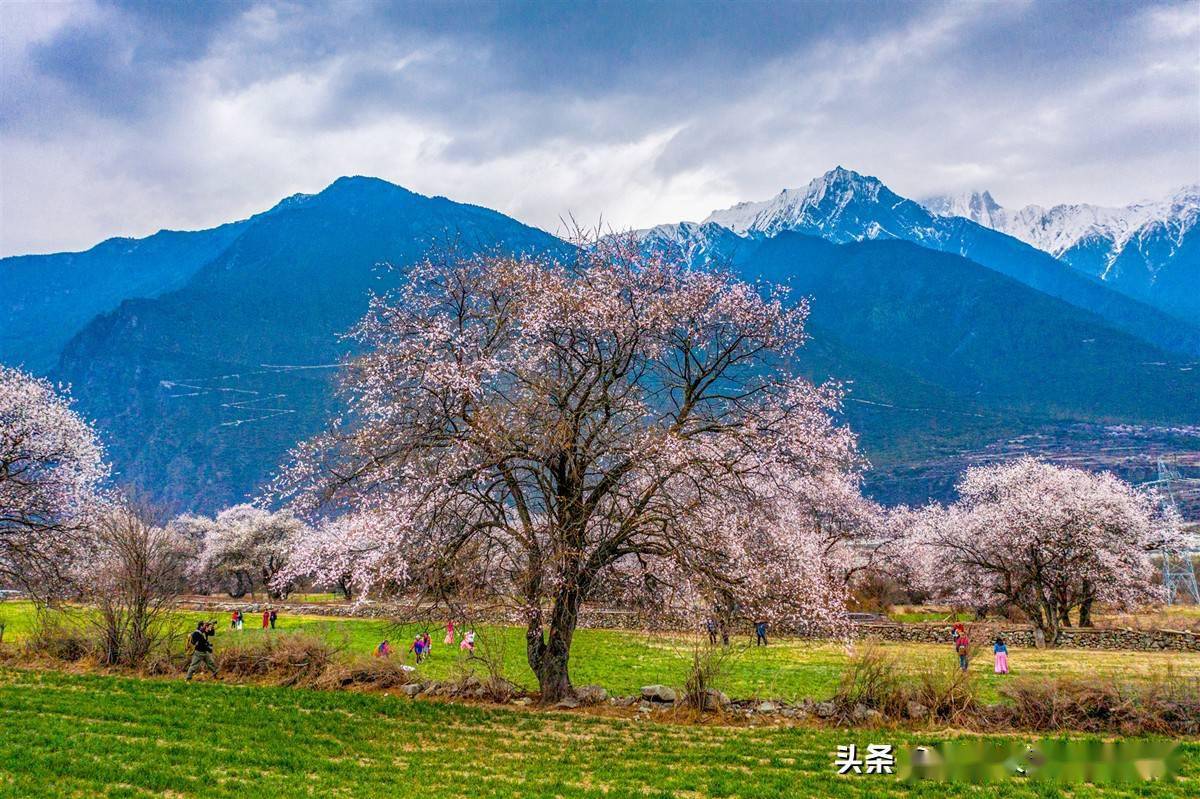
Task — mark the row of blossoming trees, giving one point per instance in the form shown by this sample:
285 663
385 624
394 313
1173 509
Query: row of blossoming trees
619 427
61 521
1048 540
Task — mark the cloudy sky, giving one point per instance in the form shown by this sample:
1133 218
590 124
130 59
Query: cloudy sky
123 118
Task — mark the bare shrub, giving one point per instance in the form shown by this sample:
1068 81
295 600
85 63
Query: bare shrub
872 679
55 636
132 580
947 692
364 672
1165 705
707 672
492 655
293 659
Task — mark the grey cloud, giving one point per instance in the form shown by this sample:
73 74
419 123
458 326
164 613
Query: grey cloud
642 112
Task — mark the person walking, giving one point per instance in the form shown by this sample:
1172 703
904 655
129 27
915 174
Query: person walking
760 633
710 624
1000 650
418 647
450 633
233 617
427 644
962 645
202 649
274 615
266 618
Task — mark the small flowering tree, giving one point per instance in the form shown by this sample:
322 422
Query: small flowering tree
51 470
242 547
1047 539
131 579
535 430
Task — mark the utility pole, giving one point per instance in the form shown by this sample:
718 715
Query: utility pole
1179 571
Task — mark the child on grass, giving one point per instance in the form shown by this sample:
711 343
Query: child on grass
1001 652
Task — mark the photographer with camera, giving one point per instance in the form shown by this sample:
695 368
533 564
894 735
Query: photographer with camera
202 648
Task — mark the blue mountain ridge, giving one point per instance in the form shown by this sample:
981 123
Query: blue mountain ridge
202 378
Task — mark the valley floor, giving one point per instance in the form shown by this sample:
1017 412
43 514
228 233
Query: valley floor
623 661
102 736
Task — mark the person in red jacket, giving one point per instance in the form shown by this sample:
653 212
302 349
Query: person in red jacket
266 619
962 645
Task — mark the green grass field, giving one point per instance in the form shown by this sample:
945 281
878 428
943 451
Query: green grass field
100 736
624 661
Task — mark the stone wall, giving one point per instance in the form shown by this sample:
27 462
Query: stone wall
1022 636
609 619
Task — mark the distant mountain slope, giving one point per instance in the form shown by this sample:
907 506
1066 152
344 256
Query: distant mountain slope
1147 250
218 349
201 391
46 299
978 334
943 357
843 206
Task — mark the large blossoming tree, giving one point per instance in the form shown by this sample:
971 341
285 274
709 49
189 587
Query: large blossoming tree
1050 540
51 469
539 430
241 548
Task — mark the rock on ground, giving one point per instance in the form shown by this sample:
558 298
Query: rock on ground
658 693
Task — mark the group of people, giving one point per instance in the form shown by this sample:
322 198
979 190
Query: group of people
716 628
201 647
422 645
237 619
962 645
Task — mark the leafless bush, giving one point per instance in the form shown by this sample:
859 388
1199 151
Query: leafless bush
1165 705
872 679
54 636
293 659
132 581
491 654
365 672
708 670
947 692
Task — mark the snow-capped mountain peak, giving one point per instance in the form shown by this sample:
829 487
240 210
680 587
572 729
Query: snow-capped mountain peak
1065 230
840 205
977 206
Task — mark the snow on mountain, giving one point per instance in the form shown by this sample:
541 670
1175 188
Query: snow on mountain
976 206
696 243
1090 237
840 206
843 206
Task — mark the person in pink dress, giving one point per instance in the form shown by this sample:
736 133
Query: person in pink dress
266 619
450 633
1001 652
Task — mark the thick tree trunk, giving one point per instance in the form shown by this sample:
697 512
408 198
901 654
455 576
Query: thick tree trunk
1044 618
1053 626
1085 613
549 653
239 586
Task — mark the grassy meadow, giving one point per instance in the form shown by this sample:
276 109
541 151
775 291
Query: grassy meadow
623 661
67 735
